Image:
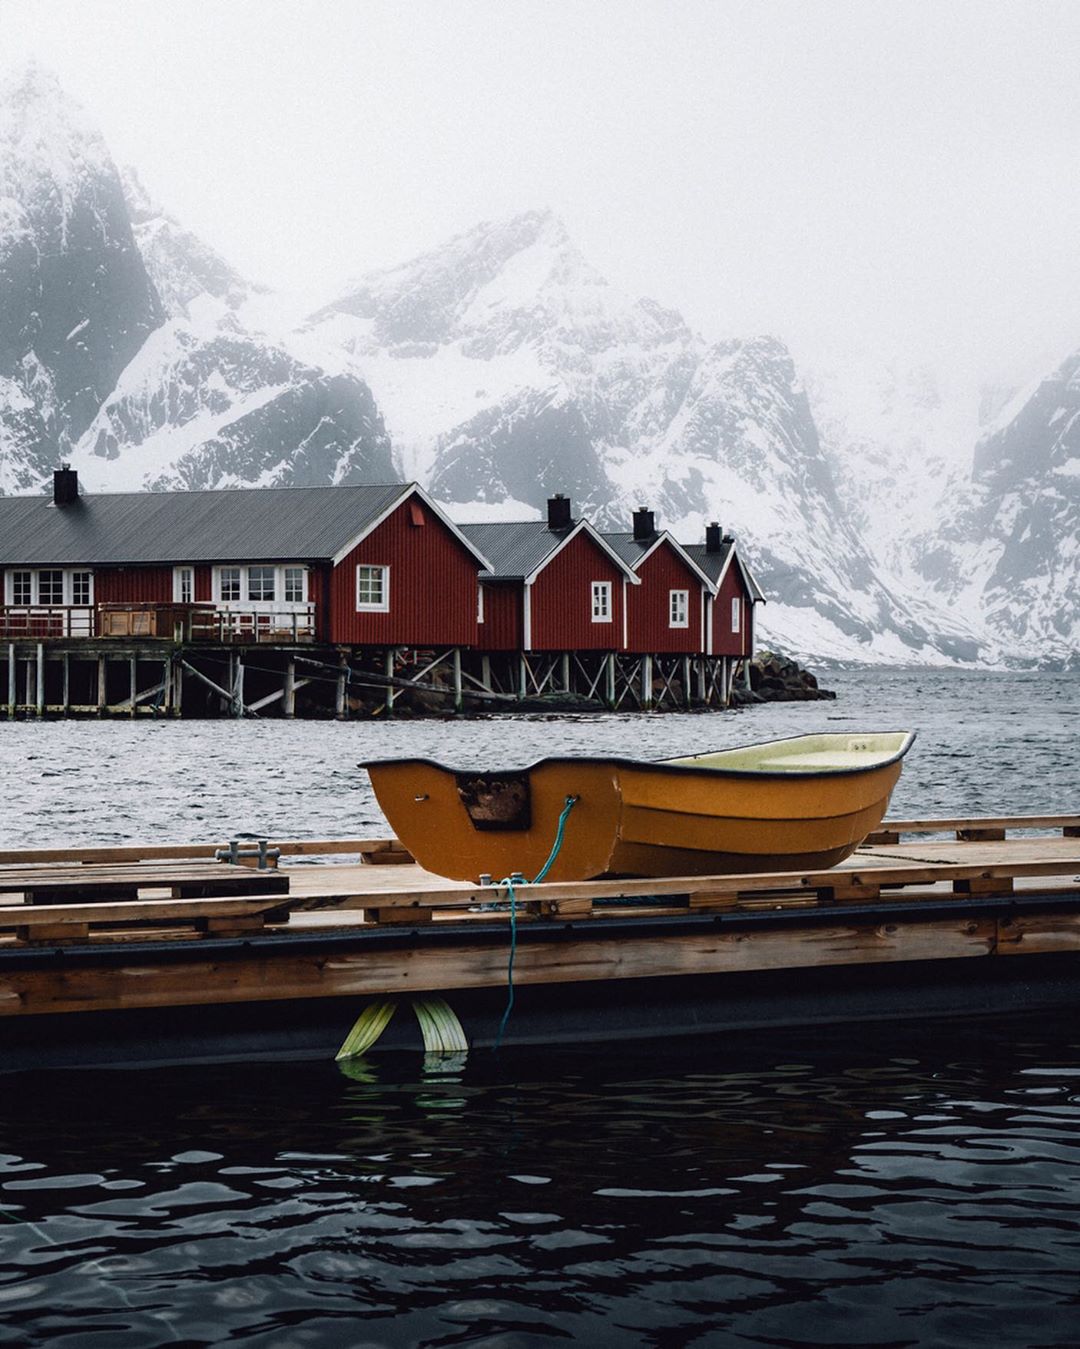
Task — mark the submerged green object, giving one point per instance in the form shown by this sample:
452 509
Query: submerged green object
367 1028
442 1031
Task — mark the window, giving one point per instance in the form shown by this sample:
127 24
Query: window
229 582
373 588
736 614
261 583
601 601
50 587
184 584
678 608
294 585
479 604
54 586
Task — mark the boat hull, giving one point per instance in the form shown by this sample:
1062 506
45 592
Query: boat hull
628 818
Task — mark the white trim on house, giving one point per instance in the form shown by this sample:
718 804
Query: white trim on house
625 617
708 627
381 606
602 612
526 616
757 595
479 601
178 575
665 537
584 525
410 489
736 613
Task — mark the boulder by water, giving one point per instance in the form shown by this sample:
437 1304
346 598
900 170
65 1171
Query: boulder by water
775 678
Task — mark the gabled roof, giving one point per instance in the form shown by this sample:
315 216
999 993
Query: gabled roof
635 551
287 524
519 549
715 565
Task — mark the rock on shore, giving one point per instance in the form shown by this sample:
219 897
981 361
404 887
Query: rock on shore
778 679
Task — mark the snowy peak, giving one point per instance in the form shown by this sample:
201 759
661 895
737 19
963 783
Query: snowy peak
189 275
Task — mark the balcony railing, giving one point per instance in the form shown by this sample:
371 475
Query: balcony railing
285 626
37 621
170 622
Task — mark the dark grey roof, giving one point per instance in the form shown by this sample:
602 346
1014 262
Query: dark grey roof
515 548
631 550
241 525
713 564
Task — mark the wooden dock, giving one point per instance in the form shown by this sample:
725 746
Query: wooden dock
124 930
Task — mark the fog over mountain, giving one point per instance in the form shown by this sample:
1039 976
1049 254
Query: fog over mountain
887 519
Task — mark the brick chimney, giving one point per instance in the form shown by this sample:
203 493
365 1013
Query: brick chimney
65 485
644 525
713 538
559 512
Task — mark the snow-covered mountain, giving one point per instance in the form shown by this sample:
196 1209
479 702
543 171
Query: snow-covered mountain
76 303
122 343
1010 547
506 366
502 367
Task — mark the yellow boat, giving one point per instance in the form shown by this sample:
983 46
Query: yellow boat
805 802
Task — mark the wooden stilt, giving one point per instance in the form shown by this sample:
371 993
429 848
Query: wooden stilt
238 687
12 672
609 681
289 691
102 685
646 682
65 697
564 671
523 676
133 684
178 688
459 701
485 673
39 687
340 710
389 671
687 686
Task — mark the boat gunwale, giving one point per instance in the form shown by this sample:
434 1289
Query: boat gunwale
670 766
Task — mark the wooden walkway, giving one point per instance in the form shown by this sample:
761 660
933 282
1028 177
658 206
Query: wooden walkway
989 889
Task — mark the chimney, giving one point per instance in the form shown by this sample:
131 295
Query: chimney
65 485
644 525
713 538
559 512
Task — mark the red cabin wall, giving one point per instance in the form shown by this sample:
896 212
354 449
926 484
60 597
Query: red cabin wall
433 580
649 605
501 629
562 601
726 642
133 585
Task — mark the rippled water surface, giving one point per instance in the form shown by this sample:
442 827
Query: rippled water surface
892 1185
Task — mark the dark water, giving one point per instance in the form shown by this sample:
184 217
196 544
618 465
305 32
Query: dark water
897 1185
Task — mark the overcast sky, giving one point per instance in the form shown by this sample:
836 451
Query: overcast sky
842 174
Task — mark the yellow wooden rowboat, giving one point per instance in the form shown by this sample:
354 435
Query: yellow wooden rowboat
804 802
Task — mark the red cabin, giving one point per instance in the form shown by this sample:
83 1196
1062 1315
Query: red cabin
359 566
552 585
667 612
729 619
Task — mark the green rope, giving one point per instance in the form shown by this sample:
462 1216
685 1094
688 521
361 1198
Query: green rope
508 881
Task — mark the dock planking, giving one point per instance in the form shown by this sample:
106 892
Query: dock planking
919 900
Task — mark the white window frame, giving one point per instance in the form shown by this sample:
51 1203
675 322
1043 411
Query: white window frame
678 608
267 574
178 577
601 602
68 575
736 614
278 605
303 572
368 606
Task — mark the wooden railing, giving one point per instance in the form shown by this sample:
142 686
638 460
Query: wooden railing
33 621
292 625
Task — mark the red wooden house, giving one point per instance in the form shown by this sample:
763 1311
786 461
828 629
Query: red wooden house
667 612
377 566
729 618
552 585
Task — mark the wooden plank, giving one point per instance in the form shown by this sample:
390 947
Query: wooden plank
951 824
983 835
999 885
364 973
1038 934
182 851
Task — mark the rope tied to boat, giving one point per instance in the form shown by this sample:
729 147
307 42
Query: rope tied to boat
515 879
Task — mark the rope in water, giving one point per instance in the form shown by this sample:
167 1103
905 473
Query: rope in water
508 881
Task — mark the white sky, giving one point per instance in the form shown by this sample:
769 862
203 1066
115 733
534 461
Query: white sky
848 174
